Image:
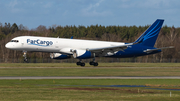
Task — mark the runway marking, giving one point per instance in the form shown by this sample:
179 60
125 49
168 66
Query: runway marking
79 77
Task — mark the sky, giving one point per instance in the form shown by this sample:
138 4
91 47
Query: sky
33 13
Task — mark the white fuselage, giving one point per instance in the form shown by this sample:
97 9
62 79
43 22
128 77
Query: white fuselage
56 45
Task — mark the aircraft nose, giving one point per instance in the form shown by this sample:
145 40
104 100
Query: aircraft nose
8 45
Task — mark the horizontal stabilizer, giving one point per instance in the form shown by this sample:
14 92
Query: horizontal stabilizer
151 50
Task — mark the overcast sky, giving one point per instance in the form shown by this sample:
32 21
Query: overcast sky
32 13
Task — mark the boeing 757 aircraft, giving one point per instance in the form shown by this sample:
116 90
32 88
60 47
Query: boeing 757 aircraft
62 48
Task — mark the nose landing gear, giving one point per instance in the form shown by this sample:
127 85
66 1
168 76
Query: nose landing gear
24 55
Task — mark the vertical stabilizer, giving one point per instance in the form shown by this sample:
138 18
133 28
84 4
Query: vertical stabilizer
149 37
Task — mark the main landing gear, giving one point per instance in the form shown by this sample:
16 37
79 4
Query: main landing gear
81 63
24 55
91 62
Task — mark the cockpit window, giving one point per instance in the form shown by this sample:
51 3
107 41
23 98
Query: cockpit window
14 41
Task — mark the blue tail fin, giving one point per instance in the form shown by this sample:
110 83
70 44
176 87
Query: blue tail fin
148 38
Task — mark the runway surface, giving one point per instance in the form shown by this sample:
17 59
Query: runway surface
97 77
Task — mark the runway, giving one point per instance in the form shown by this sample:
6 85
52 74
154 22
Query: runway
90 77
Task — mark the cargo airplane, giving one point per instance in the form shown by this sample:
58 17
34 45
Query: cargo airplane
63 48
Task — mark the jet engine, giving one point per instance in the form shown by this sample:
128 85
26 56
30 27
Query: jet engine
81 54
59 56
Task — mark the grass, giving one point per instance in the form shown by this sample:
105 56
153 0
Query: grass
78 89
71 90
116 71
105 69
87 65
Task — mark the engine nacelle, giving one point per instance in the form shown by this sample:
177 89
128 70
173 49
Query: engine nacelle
59 56
81 54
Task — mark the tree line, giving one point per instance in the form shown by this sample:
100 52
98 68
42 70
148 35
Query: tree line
169 36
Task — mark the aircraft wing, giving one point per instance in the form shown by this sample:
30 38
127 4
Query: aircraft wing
112 49
98 51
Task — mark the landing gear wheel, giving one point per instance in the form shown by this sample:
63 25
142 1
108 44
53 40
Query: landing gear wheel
82 64
91 63
25 60
95 64
78 63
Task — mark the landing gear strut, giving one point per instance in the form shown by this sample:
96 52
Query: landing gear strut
81 63
93 62
24 55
